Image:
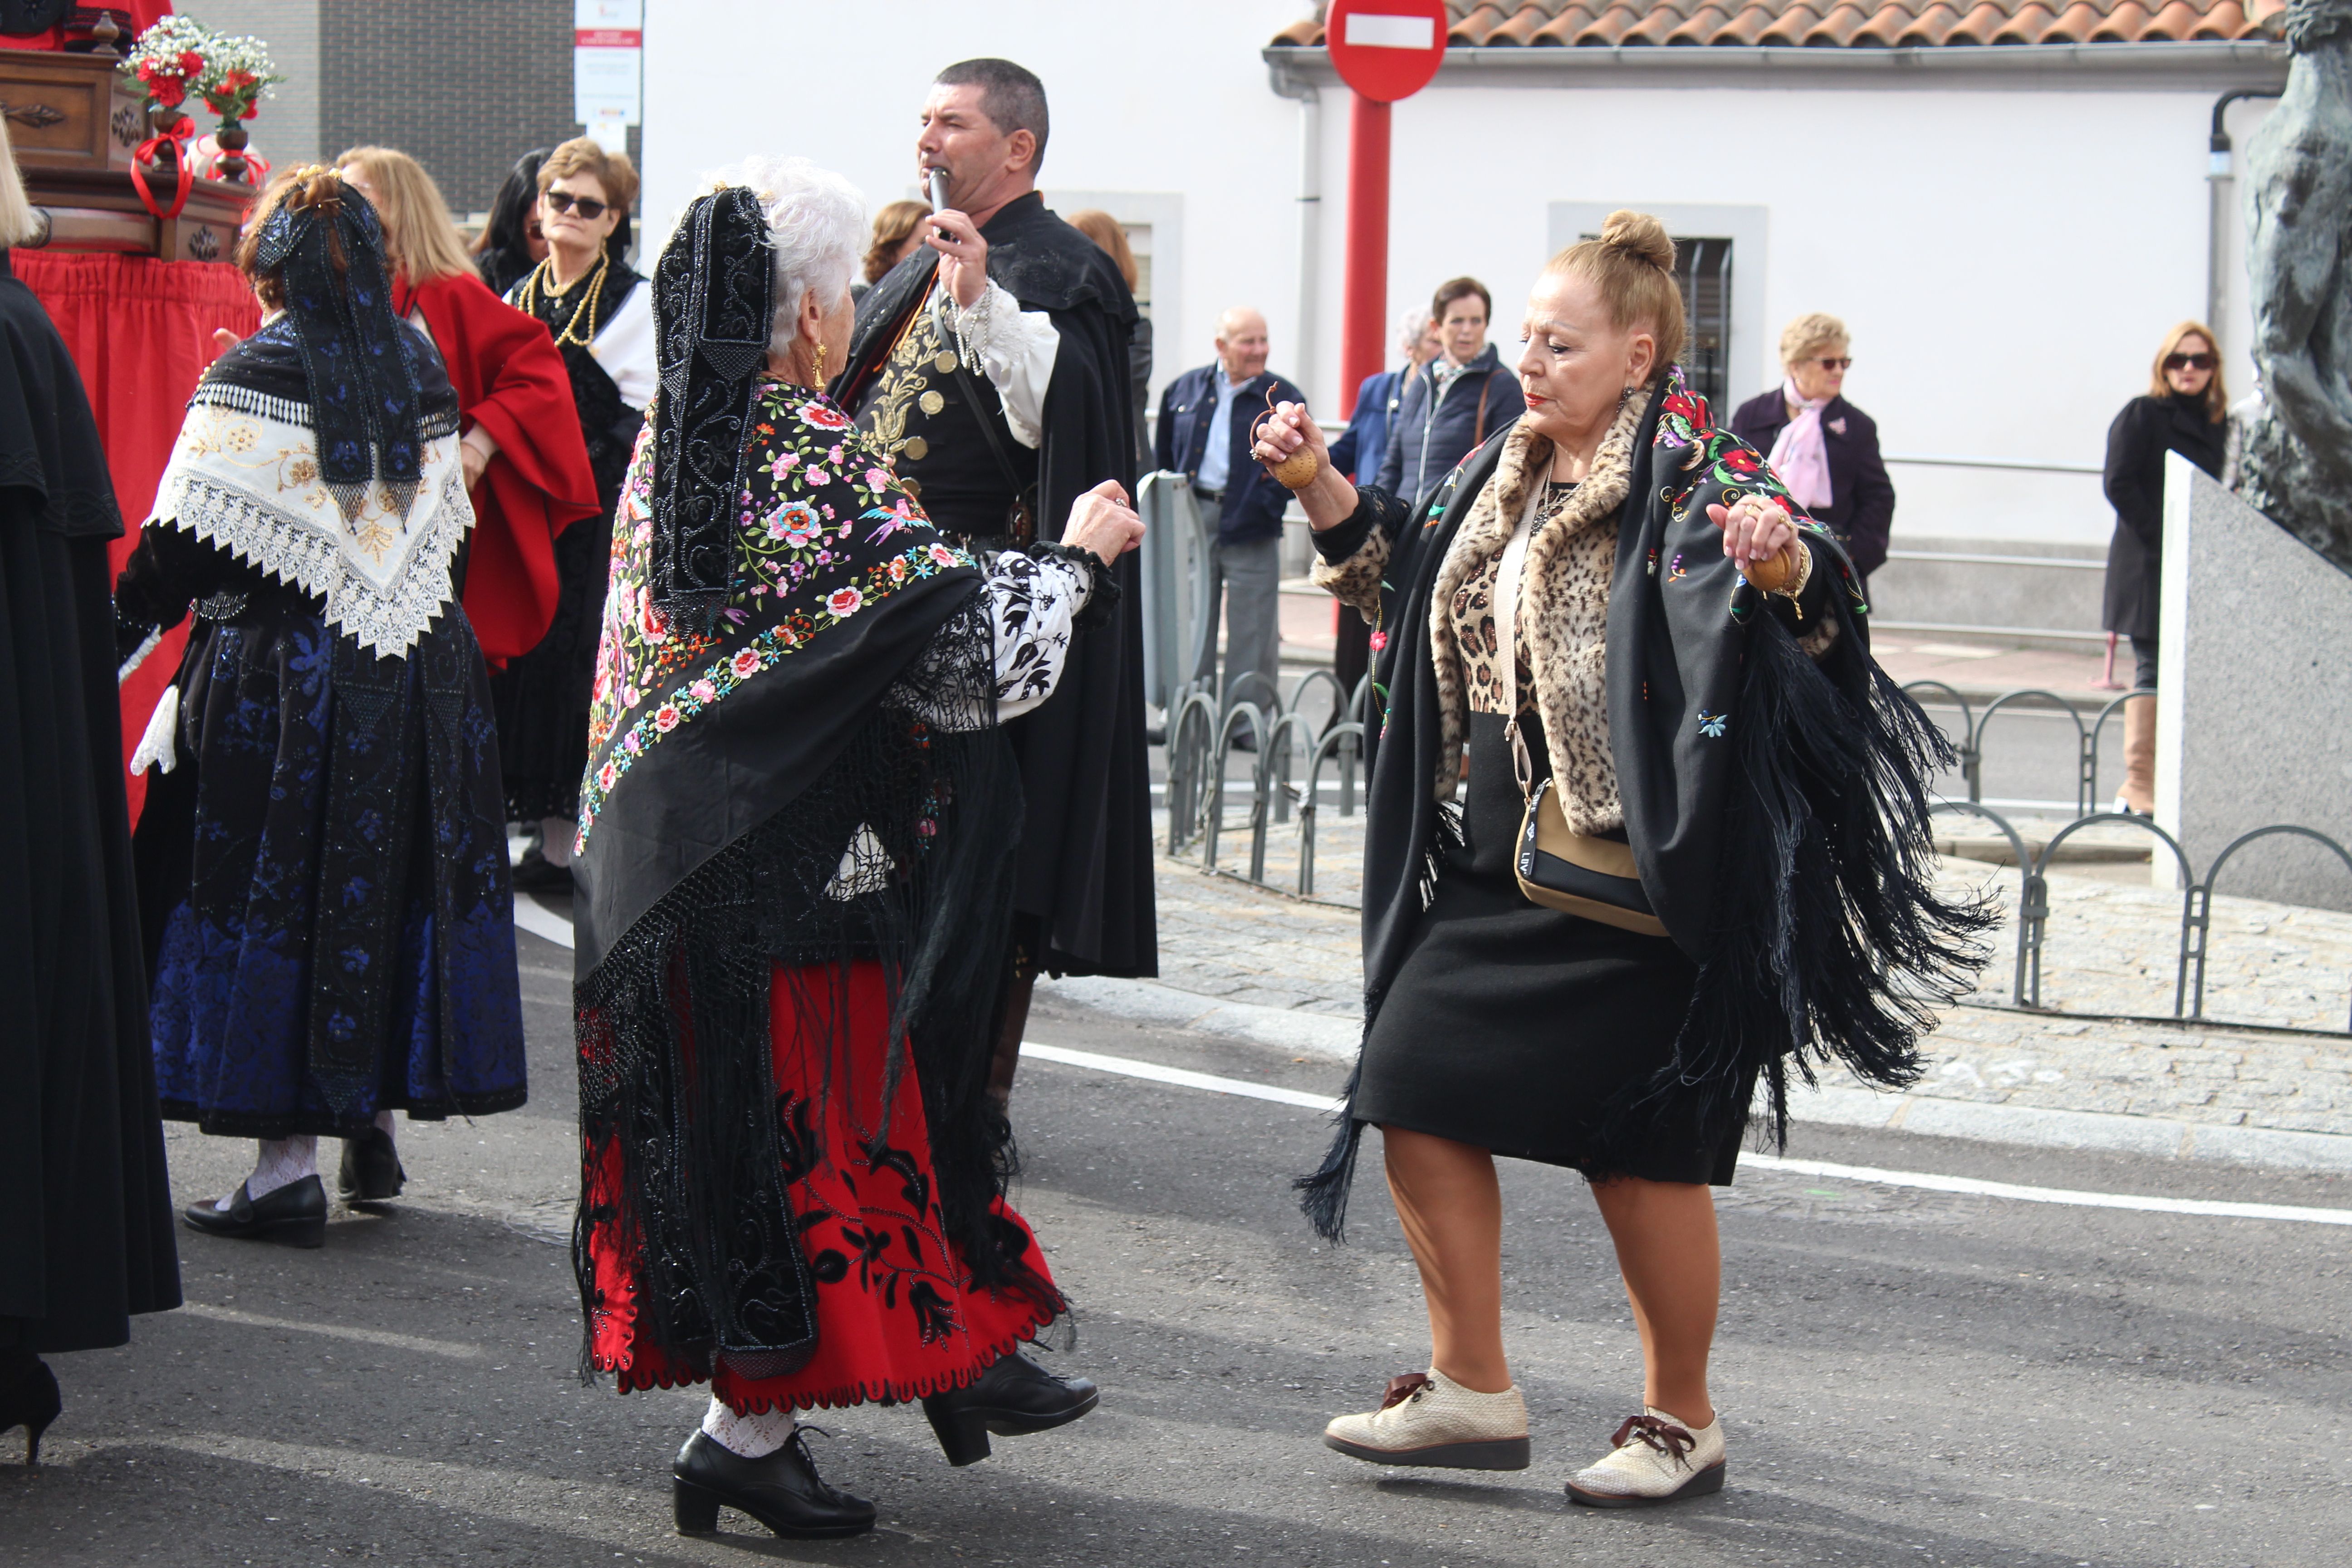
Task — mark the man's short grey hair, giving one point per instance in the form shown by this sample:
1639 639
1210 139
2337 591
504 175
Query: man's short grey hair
1009 95
1410 328
817 221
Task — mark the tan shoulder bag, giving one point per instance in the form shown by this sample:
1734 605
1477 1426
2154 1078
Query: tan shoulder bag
1557 868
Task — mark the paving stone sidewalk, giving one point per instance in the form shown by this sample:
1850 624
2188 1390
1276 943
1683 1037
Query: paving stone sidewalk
2111 949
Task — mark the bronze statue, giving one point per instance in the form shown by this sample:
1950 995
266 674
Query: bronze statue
2297 449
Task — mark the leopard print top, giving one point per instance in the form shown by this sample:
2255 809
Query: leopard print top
1474 620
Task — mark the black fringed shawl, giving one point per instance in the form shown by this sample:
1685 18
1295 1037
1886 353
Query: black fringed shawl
793 760
1777 804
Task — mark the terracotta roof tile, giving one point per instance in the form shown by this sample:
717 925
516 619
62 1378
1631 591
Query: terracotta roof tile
2026 25
1705 23
2123 25
1931 27
1795 21
1834 23
1843 23
1885 26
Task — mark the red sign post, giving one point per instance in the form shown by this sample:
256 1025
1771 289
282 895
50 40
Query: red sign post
1384 50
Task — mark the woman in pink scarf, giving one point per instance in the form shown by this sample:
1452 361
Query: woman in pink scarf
1824 447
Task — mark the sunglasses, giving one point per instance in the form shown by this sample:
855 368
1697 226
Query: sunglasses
1845 363
588 206
2188 361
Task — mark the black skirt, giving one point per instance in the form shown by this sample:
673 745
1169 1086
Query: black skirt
1510 1026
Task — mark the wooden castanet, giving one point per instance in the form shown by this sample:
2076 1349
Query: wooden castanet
1775 572
1296 472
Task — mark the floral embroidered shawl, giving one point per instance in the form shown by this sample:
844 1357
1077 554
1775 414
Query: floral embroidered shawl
824 533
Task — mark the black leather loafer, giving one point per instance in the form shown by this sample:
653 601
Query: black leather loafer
1013 1398
781 1490
371 1170
295 1214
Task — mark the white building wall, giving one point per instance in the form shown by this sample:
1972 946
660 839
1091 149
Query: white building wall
2008 257
1150 100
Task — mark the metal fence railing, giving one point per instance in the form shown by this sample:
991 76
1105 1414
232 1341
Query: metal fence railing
1203 734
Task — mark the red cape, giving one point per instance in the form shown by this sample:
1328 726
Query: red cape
512 383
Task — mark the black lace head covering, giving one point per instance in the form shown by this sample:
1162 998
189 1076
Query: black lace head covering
365 401
714 292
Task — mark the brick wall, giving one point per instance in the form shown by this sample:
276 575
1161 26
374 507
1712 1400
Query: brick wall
465 87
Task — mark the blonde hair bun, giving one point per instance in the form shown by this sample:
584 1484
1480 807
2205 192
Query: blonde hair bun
1640 236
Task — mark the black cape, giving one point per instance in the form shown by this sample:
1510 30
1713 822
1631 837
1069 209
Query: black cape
1776 803
1086 844
85 1210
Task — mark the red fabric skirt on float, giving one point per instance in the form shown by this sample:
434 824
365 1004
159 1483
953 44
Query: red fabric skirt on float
898 1314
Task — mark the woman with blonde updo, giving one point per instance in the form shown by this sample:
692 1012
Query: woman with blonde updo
1726 864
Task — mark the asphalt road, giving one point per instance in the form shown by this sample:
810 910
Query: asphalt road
1907 1376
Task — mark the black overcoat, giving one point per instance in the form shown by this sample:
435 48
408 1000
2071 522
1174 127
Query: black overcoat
2142 434
1861 513
85 1209
1086 842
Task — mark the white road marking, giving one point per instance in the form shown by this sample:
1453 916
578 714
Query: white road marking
533 917
1970 1185
1926 1181
1182 1077
536 918
409 1344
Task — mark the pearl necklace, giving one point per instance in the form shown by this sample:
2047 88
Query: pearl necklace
585 310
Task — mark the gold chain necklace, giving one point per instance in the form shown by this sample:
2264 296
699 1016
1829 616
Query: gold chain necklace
586 310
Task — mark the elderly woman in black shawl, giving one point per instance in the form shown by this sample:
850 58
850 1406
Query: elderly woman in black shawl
796 861
322 857
1692 851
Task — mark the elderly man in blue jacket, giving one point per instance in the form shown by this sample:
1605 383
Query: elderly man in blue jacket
1206 419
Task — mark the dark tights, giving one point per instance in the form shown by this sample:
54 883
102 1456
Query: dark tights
2143 655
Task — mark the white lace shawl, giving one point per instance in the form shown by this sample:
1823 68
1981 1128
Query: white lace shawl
244 475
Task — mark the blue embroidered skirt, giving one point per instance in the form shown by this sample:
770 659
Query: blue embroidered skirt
324 881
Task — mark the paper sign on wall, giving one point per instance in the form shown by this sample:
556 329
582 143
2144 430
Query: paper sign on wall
607 67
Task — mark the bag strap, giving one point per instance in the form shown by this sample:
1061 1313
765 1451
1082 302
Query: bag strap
988 421
1507 619
1478 437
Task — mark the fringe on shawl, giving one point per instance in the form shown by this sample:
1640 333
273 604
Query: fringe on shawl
1323 1193
1832 945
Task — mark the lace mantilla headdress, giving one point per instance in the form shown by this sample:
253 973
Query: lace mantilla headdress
714 299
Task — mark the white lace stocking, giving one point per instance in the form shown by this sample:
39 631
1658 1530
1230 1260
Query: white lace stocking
282 1162
555 839
751 1437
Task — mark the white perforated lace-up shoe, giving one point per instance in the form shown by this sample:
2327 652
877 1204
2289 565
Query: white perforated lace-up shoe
1427 1418
1655 1459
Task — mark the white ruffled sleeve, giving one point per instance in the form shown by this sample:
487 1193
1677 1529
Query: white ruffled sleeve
624 347
1016 348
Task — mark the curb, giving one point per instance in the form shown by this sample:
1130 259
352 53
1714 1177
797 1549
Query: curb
1315 1033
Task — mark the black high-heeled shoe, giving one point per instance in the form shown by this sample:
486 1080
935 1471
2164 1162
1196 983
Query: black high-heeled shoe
781 1490
1013 1398
371 1170
295 1214
31 1401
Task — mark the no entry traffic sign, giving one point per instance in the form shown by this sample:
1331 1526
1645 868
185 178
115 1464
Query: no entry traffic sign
1386 50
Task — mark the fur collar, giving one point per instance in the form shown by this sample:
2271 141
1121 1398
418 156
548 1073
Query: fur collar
1563 608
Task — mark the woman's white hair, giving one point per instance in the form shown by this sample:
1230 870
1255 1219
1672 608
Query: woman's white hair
817 221
18 223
